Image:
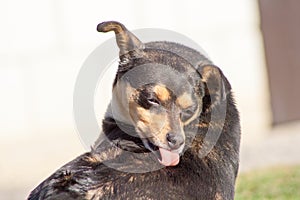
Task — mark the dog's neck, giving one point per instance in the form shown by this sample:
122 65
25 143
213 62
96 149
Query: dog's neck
122 133
119 147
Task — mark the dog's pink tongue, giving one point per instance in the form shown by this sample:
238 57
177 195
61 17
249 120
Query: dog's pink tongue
168 158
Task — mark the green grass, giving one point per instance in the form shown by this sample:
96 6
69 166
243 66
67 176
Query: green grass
275 183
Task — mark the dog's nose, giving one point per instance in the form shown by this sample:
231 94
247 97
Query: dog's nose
175 140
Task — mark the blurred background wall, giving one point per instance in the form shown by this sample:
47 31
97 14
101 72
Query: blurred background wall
44 43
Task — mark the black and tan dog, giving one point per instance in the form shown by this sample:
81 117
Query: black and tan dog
171 131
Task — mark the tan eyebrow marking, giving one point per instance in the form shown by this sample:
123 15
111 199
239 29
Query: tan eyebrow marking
161 92
184 101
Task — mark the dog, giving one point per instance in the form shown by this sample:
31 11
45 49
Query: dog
171 130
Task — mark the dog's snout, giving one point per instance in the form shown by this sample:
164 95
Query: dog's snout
175 140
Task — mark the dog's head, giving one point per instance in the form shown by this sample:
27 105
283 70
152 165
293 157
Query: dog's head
159 92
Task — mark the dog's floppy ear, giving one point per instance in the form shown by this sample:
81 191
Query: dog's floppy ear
127 41
217 85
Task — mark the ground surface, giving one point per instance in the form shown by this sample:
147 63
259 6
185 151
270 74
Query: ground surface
279 183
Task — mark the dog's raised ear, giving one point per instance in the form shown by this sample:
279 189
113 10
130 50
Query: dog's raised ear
127 41
217 85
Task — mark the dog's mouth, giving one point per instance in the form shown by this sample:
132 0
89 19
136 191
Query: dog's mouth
164 156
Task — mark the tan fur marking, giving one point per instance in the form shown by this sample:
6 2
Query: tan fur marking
206 73
184 101
214 155
161 92
143 115
218 196
150 123
162 132
197 112
201 125
92 158
131 179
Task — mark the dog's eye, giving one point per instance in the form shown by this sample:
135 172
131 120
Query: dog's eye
153 101
187 113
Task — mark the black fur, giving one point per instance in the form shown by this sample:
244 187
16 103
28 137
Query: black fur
211 177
